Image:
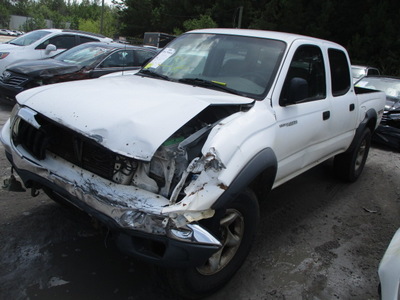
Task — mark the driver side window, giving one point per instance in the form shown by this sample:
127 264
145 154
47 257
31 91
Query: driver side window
305 80
60 41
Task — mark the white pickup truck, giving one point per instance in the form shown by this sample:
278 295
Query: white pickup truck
175 158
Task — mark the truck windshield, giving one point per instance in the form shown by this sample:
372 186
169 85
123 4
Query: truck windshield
244 65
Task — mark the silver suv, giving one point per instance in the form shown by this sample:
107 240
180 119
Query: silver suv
43 43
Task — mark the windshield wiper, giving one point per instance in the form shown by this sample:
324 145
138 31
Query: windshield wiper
153 74
210 84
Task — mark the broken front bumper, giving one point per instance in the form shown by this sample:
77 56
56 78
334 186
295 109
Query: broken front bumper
136 215
188 246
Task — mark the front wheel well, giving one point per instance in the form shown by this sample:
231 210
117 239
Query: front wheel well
371 124
258 174
263 183
370 119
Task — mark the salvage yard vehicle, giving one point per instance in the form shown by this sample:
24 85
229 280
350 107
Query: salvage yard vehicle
44 43
359 72
175 158
389 270
388 131
86 61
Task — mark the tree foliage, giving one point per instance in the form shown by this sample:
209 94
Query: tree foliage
367 28
83 15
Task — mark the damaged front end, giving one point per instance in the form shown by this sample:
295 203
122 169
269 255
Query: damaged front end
164 196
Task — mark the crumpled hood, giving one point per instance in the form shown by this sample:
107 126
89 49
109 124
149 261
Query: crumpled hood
43 68
130 115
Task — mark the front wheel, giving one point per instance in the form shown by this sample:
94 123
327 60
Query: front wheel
349 165
237 229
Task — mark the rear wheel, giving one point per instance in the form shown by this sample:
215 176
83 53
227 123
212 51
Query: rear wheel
349 165
237 228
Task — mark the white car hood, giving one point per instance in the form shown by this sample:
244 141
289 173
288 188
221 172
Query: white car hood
10 47
129 115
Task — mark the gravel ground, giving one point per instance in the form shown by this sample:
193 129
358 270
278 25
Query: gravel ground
319 238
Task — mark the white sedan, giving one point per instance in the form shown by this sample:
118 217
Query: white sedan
389 270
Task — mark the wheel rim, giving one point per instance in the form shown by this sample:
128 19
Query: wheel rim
360 155
232 229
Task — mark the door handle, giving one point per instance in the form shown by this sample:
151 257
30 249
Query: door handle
326 115
351 107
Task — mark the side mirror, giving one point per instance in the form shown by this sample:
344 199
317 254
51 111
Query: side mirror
297 91
49 48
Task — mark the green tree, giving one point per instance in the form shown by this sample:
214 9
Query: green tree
34 23
203 21
4 13
109 24
89 25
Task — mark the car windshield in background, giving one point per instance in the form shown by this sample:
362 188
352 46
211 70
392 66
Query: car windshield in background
357 73
391 86
244 65
83 54
29 38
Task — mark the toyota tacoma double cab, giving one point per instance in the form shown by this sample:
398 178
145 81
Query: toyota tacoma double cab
175 158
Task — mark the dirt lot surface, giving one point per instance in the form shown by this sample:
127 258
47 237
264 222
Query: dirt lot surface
6 38
319 238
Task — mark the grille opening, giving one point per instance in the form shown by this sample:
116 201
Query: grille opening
67 144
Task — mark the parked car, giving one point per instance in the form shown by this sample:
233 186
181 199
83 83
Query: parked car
6 32
358 72
89 60
175 158
17 32
43 43
388 132
389 270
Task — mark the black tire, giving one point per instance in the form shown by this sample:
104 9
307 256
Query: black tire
238 228
349 165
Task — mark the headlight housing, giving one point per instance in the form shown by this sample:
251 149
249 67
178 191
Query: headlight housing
4 54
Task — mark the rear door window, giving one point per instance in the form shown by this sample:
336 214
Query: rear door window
340 72
85 39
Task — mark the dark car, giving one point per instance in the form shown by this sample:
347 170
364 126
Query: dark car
89 60
388 132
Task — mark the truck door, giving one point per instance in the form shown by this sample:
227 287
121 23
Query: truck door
302 111
343 98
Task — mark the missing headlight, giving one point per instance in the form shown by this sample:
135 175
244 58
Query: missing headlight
124 168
